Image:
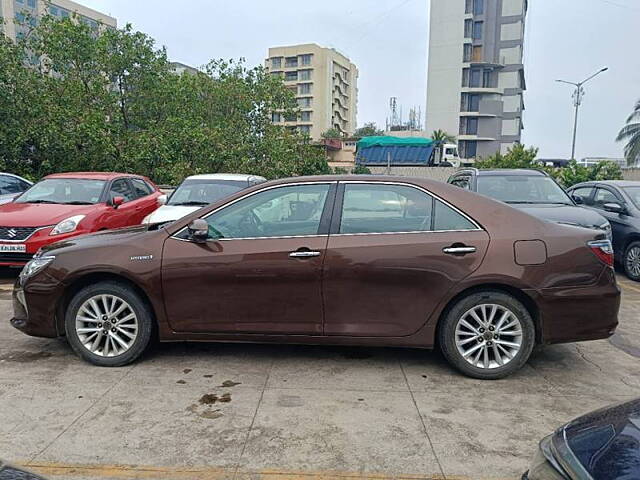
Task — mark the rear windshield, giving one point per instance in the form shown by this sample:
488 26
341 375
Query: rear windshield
69 191
203 192
522 189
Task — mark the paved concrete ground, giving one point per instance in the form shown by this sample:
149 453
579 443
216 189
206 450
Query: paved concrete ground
274 412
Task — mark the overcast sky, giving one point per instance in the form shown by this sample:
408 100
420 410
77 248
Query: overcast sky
387 40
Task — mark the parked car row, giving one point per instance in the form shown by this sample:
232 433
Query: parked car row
350 260
63 206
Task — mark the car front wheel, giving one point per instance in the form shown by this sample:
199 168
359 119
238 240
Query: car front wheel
487 335
108 324
632 261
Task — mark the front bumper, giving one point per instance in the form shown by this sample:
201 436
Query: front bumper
579 313
34 308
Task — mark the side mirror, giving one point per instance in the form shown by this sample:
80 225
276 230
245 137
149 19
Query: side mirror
614 208
162 200
115 202
578 199
199 230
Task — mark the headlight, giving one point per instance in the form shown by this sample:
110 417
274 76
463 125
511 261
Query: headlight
67 225
34 266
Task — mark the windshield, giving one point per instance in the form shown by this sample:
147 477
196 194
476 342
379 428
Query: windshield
634 193
523 189
203 192
69 191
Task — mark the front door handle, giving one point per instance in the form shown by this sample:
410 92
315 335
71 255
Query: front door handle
304 254
458 250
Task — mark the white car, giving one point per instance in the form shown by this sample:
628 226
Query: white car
11 186
198 191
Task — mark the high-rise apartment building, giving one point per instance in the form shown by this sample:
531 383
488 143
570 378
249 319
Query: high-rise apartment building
476 80
21 15
325 84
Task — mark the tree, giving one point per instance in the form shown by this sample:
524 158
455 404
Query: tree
332 133
114 104
630 133
369 129
575 173
442 136
517 156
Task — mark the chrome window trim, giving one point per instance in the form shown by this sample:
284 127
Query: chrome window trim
403 184
31 235
404 233
325 182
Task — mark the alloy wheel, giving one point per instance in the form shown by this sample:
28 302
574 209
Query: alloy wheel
488 336
633 261
106 325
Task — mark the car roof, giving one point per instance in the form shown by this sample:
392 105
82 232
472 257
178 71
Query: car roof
504 171
615 183
92 175
15 176
225 176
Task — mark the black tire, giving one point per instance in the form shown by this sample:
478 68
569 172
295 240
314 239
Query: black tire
626 261
447 335
138 306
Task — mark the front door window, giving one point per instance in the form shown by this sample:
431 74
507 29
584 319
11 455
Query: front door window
278 212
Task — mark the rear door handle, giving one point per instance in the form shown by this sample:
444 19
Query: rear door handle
304 254
462 250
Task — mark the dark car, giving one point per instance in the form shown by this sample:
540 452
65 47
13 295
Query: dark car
619 202
602 445
11 186
349 260
7 472
533 191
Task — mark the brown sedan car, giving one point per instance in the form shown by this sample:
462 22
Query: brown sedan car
348 260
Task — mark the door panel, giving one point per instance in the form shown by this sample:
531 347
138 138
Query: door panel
620 223
261 272
389 284
244 286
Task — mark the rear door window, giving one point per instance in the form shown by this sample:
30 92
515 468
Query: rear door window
140 188
121 188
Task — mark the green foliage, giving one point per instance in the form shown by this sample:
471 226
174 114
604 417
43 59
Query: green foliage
114 105
630 133
575 173
361 170
332 133
340 171
518 156
442 136
369 129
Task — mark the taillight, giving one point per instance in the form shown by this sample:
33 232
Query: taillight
603 250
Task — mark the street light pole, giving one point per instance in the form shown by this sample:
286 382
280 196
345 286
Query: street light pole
577 101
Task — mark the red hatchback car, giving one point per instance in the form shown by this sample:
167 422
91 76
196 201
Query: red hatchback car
65 205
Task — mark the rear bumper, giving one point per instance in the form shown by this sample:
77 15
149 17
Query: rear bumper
580 313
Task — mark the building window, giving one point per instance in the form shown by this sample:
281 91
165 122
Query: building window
290 76
475 78
477 54
477 30
305 59
468 28
291 118
304 129
304 88
276 62
304 74
276 117
472 126
305 116
31 3
291 62
468 6
304 102
478 7
474 103
466 56
469 149
20 18
486 79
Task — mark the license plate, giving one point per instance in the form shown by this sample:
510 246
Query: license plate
13 247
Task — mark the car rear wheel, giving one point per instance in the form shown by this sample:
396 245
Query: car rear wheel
487 335
632 261
108 324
